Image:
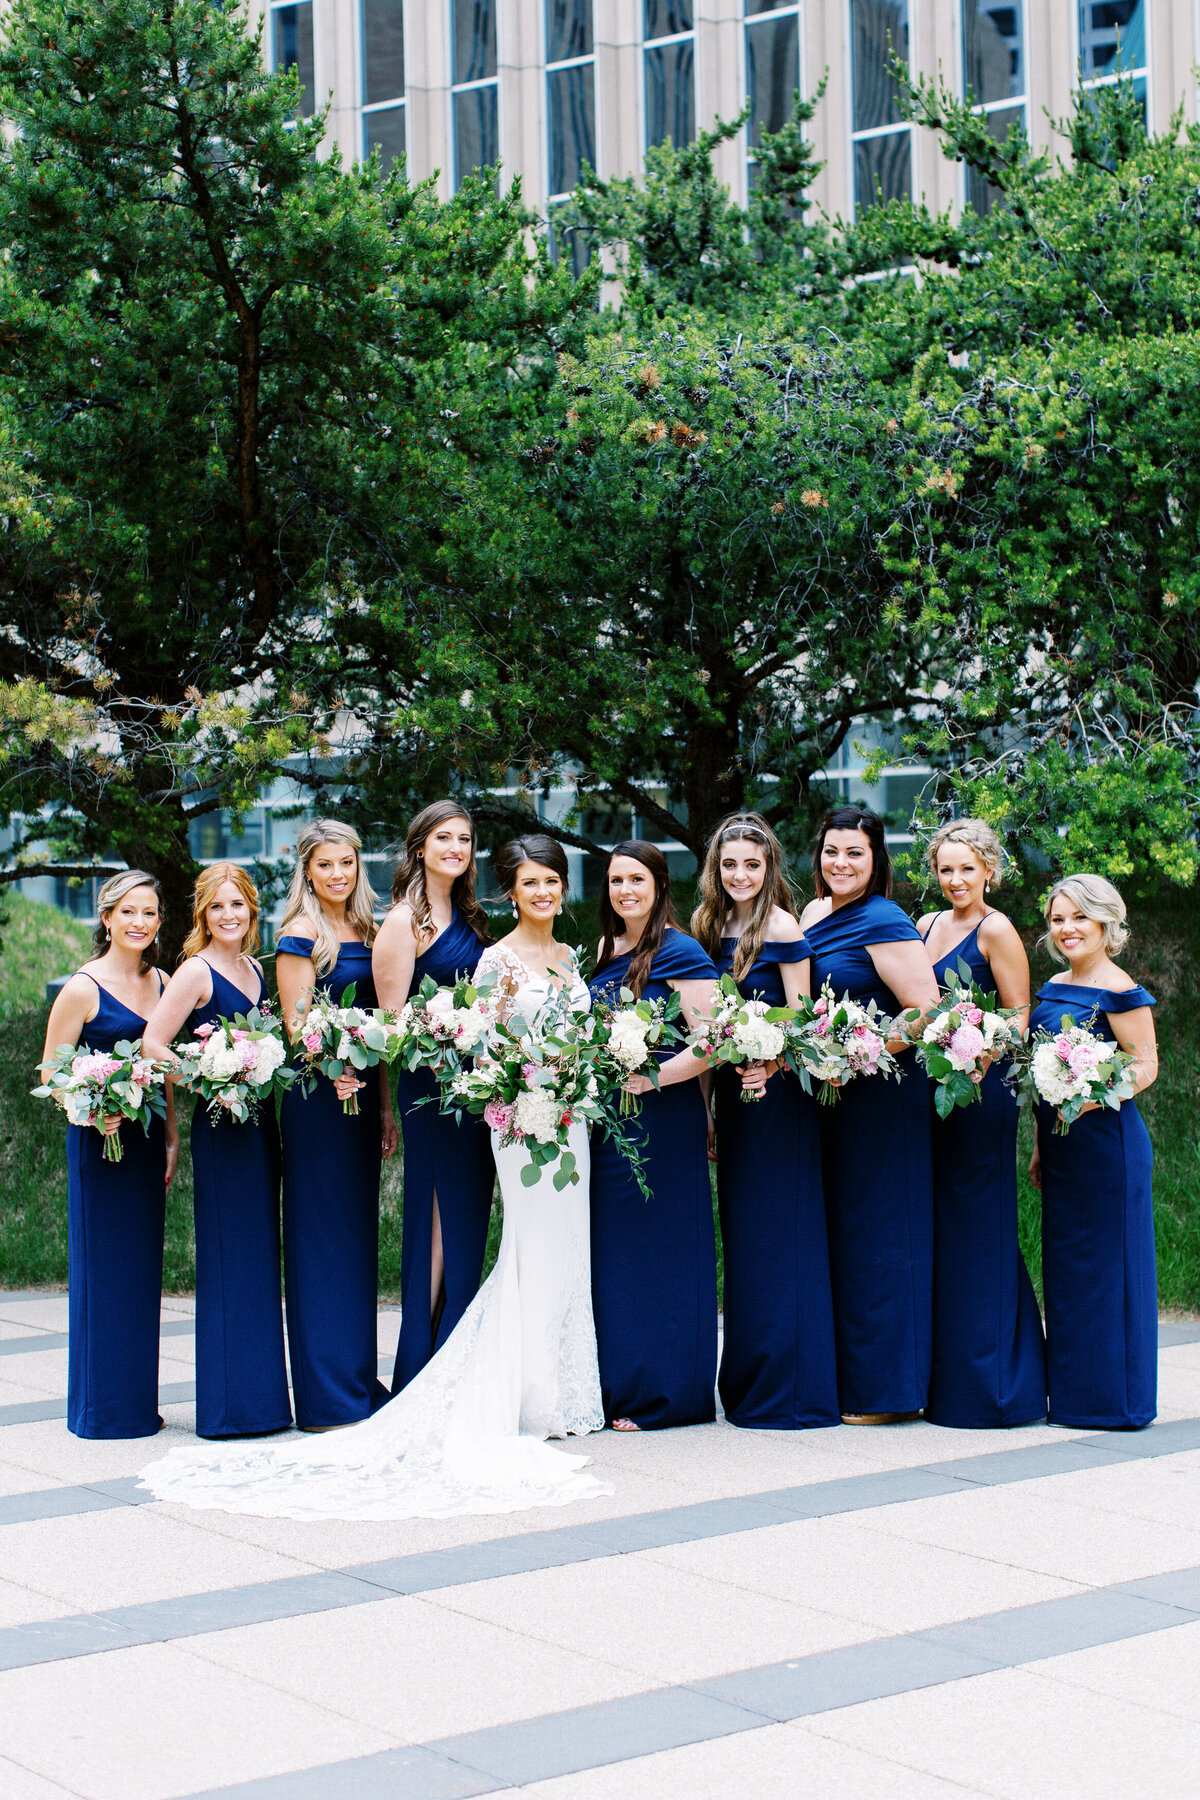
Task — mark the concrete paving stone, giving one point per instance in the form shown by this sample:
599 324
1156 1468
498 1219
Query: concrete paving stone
21 1605
1185 1356
16 1480
45 1370
415 1773
20 1383
1160 1670
61 1502
150 1722
1178 1331
46 1310
813 1684
22 1784
1179 1588
1025 1634
20 1328
1163 1491
1018 1735
47 1449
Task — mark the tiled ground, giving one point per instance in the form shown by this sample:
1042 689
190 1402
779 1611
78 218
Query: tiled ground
909 1612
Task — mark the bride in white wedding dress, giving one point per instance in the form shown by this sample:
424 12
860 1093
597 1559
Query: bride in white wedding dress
467 1435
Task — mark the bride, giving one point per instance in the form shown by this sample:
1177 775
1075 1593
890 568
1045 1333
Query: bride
467 1433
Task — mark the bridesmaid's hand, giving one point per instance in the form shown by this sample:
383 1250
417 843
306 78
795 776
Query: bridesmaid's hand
172 1154
638 1084
347 1084
391 1136
757 1074
1035 1168
112 1123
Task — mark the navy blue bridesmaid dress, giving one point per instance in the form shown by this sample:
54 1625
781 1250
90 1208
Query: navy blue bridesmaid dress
654 1262
449 1160
876 1156
241 1375
116 1217
331 1164
1100 1282
778 1365
989 1356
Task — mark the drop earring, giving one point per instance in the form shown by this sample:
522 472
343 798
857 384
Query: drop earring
515 912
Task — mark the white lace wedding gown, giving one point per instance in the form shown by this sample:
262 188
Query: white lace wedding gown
467 1434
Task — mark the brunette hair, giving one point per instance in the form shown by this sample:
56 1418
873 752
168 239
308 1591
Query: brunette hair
855 818
1097 899
662 914
537 848
408 880
715 903
112 892
208 882
304 908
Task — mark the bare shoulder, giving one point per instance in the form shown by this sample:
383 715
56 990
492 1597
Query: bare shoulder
998 930
397 927
813 912
925 922
783 927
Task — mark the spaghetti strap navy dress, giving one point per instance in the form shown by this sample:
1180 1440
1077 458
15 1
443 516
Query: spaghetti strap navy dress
654 1268
876 1159
450 1161
778 1365
116 1216
241 1375
331 1164
989 1356
1099 1277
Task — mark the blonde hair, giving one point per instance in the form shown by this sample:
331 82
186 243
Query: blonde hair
208 883
110 896
715 903
978 836
1096 899
303 907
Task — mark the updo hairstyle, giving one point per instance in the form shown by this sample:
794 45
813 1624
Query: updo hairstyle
978 836
547 852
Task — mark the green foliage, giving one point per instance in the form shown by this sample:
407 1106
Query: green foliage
38 943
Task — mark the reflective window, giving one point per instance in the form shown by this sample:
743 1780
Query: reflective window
476 130
292 47
384 130
1112 44
669 71
668 18
568 30
772 70
475 91
382 43
571 93
474 40
993 37
882 141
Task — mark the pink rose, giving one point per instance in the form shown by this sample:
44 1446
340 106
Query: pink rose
311 1041
497 1115
238 1035
821 1006
529 1074
203 1031
967 1043
972 1014
822 1024
1063 1048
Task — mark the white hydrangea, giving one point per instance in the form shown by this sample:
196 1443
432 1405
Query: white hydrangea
932 1032
221 1060
77 1105
627 1039
536 1114
470 1024
755 1037
270 1055
1052 1077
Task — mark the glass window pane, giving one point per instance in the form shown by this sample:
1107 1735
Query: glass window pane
664 18
572 124
772 73
874 22
981 194
292 47
993 51
476 131
568 29
764 6
567 243
474 39
1112 36
383 50
882 168
670 109
384 129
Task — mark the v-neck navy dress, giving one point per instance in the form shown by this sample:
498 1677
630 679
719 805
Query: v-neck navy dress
1099 1278
989 1356
778 1364
116 1216
452 1160
241 1375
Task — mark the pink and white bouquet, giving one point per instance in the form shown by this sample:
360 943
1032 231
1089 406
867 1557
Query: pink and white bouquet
438 1027
1071 1068
839 1040
742 1031
236 1063
94 1085
961 1036
630 1035
338 1038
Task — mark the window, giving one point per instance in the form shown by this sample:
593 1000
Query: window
1112 44
882 141
669 68
381 29
292 47
475 90
570 107
772 65
993 36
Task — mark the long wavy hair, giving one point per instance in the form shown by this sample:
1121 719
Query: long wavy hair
661 917
209 881
408 882
112 892
715 904
304 909
855 818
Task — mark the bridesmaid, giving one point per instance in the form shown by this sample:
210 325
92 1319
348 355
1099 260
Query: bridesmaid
654 1271
989 1357
436 927
1098 1265
241 1375
116 1212
875 1141
778 1366
331 1159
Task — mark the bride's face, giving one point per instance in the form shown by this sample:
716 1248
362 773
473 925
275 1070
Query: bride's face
537 893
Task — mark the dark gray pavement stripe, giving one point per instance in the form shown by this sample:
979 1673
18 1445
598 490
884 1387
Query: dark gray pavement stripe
32 1412
62 1503
57 1340
502 1757
426 1572
1178 1331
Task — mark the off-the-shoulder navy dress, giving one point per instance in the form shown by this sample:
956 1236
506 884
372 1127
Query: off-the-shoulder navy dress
116 1214
241 1375
331 1163
778 1365
989 1356
654 1269
1099 1278
452 1160
877 1164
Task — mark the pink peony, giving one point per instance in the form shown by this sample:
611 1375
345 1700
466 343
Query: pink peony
497 1115
439 1003
967 1043
250 1055
238 1035
1083 1059
529 1074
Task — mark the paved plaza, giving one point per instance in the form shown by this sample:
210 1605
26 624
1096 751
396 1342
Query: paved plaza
906 1613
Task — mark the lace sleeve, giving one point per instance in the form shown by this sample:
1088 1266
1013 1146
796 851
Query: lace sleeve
505 965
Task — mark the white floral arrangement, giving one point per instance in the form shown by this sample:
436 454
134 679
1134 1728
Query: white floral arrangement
836 1041
742 1031
236 1064
963 1034
438 1027
1072 1068
631 1035
338 1038
94 1085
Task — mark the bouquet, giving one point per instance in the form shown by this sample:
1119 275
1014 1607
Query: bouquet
437 1028
1070 1067
337 1038
629 1036
840 1039
236 1063
94 1085
961 1034
742 1031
